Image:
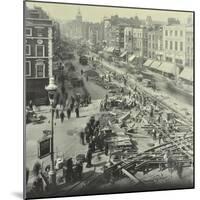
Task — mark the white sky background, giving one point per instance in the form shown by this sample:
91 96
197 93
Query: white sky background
64 12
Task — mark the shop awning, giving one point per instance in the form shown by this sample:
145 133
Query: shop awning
123 54
148 62
155 64
168 68
131 58
187 74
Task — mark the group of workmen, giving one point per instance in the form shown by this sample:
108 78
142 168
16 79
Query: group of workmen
94 138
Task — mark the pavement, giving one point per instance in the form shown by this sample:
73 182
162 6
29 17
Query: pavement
66 134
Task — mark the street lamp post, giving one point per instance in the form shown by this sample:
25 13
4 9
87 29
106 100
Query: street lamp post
51 89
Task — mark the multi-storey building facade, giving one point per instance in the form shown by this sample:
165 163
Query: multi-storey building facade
107 31
128 39
135 41
155 43
174 42
38 54
95 33
189 46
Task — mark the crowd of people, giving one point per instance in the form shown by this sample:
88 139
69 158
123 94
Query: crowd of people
73 105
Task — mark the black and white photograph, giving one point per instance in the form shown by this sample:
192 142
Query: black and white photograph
108 99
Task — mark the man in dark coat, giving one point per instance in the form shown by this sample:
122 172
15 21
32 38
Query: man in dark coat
89 158
82 137
68 112
77 111
69 172
62 116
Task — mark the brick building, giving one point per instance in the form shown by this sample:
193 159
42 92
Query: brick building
38 54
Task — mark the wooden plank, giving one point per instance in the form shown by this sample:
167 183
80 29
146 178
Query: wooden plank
133 178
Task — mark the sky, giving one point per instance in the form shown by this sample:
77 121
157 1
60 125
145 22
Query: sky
65 12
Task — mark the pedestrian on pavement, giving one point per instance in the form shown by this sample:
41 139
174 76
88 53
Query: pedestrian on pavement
89 158
81 72
77 111
92 144
70 173
57 111
87 78
87 133
82 137
92 121
62 116
72 100
68 112
30 105
71 106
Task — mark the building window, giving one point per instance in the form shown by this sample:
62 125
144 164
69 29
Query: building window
40 31
28 31
171 32
156 46
176 33
181 33
40 70
40 51
28 49
181 46
171 45
166 32
166 44
28 68
150 45
176 46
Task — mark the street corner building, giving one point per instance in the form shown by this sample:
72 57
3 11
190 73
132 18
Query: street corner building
109 99
38 54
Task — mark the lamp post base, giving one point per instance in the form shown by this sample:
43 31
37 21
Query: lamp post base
52 178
